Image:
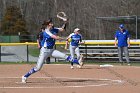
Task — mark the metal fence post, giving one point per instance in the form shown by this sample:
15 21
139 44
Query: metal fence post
0 53
27 54
55 48
86 51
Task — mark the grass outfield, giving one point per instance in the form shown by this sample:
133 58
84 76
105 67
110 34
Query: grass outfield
34 51
91 63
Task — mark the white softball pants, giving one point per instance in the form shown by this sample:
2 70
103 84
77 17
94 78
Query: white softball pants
45 53
74 50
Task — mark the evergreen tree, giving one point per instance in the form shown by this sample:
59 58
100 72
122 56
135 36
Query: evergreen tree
13 22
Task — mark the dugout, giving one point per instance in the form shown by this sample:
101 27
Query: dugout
110 23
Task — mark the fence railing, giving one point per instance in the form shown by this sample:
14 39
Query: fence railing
95 49
17 38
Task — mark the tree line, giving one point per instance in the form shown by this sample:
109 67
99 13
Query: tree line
81 13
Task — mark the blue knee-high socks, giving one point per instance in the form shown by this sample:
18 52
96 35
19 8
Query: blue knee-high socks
30 72
72 60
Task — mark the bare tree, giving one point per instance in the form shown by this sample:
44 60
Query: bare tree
81 13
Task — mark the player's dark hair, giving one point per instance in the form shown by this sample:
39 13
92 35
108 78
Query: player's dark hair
47 22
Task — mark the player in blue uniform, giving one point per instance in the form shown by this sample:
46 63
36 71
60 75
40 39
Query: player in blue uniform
74 39
40 38
47 49
122 41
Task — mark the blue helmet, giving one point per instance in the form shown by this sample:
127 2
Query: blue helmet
121 25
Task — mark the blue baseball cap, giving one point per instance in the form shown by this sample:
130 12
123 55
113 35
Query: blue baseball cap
121 25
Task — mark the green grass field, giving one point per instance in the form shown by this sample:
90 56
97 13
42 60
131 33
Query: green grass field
34 51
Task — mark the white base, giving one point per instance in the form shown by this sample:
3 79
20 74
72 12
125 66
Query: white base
106 65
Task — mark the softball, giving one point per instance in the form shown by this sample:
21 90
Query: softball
69 40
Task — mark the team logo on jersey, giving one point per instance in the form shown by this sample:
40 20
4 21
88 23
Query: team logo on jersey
124 33
76 38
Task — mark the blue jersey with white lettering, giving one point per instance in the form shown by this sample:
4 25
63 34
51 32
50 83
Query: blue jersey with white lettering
75 39
48 41
122 38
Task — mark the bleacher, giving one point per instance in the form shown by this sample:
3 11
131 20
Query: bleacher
105 49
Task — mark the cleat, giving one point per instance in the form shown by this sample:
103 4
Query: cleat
72 67
24 79
128 64
78 66
81 60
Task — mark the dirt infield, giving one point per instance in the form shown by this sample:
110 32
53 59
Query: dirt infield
61 79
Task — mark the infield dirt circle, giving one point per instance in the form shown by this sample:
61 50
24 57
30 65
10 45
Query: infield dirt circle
54 78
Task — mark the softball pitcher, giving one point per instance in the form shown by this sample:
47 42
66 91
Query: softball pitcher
47 49
74 39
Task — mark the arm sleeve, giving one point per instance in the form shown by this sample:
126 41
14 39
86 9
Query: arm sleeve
64 26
